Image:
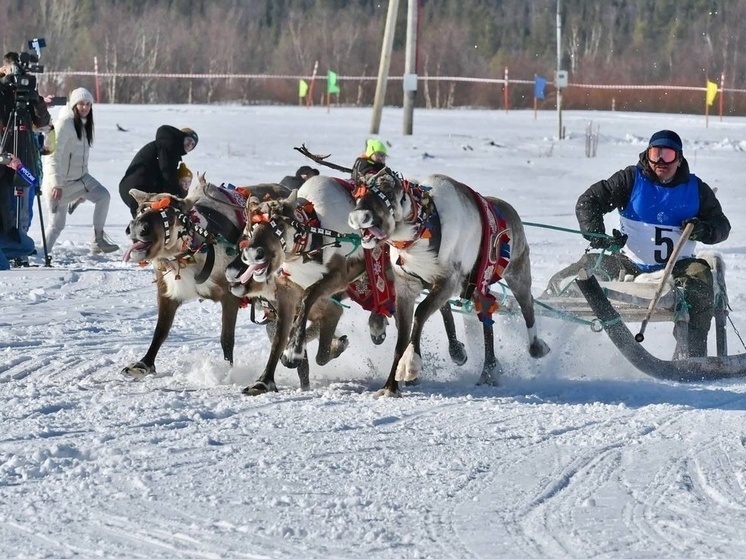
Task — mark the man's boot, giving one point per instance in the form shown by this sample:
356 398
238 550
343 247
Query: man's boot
697 342
102 243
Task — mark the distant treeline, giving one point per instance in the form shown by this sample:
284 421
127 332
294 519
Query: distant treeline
656 42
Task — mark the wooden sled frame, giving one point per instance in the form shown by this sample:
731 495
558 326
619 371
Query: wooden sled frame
631 300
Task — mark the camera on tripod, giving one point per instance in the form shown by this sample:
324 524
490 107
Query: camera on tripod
26 63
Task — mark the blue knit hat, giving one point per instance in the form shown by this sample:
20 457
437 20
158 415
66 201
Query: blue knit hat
666 139
191 134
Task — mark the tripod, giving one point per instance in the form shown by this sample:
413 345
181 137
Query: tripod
19 124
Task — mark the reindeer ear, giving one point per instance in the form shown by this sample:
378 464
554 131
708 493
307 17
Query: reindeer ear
139 195
292 197
201 178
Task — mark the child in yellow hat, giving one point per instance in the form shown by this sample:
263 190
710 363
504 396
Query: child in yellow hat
370 162
185 177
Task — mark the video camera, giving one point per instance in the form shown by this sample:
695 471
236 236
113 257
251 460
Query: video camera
24 84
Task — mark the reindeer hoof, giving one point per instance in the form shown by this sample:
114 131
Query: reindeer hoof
487 379
377 325
538 349
412 382
387 393
138 370
378 339
457 350
259 388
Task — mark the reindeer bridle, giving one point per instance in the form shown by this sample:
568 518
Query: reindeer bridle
421 203
305 223
192 232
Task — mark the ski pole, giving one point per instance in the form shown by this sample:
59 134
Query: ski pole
639 337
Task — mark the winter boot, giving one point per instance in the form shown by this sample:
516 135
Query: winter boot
102 243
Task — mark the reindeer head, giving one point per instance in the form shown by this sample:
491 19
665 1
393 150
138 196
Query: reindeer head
381 205
268 233
156 231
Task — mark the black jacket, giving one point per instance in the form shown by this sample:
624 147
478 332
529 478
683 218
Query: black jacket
363 167
153 169
614 193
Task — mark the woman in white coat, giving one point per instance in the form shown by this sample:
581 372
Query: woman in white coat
66 177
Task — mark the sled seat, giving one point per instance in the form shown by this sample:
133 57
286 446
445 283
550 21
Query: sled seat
631 299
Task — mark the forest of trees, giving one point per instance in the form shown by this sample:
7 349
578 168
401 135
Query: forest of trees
632 42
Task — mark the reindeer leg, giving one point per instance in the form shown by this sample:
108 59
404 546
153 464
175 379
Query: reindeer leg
410 365
279 335
327 320
229 304
304 374
456 349
519 282
492 369
333 282
166 312
405 299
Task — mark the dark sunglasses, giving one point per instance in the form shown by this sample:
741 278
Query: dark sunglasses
658 155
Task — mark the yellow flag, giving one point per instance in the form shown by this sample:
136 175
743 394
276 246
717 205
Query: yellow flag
302 89
712 91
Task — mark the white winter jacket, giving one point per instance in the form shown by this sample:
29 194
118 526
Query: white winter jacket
69 161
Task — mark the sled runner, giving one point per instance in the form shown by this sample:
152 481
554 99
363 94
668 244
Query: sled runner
612 305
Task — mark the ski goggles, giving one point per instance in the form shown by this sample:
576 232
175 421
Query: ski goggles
658 155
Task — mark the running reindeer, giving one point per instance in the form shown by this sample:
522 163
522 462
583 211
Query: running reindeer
191 242
305 238
446 238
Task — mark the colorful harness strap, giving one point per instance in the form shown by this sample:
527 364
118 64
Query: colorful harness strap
494 257
374 290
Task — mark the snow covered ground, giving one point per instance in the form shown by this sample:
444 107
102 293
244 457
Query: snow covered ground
576 455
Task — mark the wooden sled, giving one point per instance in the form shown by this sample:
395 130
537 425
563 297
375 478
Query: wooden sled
693 369
631 301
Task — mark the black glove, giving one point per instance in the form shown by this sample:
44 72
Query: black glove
616 240
701 230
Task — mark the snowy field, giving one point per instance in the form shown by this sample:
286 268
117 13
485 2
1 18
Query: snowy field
577 455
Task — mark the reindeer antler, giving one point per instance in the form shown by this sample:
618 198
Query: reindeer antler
320 159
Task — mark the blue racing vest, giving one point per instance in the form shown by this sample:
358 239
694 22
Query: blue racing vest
652 220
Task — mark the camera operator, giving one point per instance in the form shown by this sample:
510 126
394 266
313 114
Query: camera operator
32 108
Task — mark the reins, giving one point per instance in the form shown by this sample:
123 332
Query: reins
303 231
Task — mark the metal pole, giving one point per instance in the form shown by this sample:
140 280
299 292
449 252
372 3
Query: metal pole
383 67
410 67
559 67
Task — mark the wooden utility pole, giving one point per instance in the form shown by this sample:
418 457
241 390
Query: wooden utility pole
410 66
383 67
559 68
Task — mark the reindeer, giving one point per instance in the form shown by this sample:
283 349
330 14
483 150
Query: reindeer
305 239
450 240
191 242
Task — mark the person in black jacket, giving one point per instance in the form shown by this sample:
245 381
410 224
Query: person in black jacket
656 199
154 168
369 162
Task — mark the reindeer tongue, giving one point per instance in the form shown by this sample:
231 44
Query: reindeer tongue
133 247
249 273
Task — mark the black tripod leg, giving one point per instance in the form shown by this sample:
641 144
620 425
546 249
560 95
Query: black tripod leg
47 256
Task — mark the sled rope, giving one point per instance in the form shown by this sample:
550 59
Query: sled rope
575 231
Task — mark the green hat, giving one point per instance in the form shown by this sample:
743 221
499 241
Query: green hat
374 146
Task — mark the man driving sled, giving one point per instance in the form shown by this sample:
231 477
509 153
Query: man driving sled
656 199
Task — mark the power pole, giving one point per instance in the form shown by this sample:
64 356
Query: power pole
410 66
383 67
558 76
